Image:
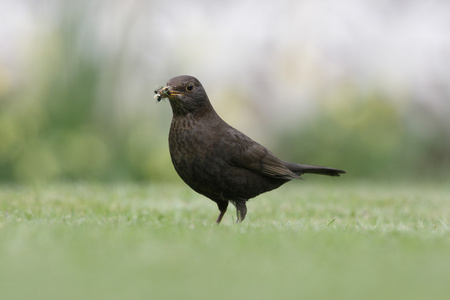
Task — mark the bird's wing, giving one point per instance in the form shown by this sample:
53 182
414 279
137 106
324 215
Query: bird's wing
248 154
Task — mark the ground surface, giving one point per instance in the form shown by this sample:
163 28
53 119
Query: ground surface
327 239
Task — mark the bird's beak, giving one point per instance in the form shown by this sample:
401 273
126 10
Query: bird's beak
165 92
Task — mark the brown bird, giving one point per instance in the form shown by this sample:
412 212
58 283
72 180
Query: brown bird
217 160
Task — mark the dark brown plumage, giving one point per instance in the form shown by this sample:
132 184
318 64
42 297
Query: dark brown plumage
215 159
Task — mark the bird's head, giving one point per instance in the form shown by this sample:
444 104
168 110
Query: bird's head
186 96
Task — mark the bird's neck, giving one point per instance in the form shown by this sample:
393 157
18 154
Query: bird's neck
193 121
209 116
197 113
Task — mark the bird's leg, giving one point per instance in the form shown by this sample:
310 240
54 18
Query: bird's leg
223 209
219 218
241 210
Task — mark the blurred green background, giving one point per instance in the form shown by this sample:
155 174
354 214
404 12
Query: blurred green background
318 86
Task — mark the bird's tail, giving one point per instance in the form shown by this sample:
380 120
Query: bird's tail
301 169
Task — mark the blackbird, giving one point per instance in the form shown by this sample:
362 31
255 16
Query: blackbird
217 160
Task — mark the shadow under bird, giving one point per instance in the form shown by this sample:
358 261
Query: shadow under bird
217 160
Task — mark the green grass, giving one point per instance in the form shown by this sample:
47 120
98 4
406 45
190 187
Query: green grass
316 239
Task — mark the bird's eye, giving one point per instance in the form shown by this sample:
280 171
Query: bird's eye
190 87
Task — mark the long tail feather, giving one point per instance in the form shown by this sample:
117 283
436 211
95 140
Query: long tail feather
301 169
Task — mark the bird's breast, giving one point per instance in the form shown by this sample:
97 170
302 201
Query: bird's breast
192 150
189 141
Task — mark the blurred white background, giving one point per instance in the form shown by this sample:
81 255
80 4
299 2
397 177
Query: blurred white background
266 65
